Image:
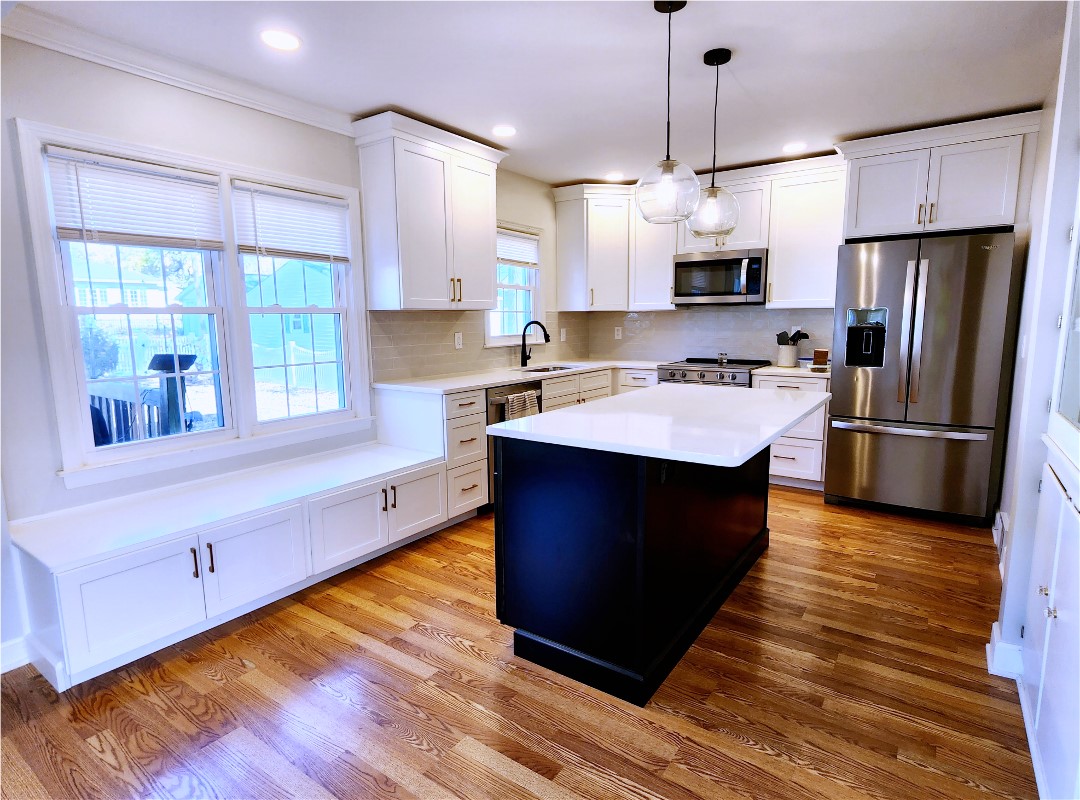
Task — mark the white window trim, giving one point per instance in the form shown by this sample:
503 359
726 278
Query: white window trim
82 467
535 335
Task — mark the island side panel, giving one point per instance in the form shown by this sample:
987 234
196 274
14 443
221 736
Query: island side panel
567 526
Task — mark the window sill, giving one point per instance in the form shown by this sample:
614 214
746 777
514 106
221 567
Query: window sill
94 474
496 345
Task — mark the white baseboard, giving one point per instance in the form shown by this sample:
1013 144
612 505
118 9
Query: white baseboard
1003 659
1033 745
13 653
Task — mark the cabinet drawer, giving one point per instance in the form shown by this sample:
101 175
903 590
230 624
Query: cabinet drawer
466 440
587 381
796 458
464 403
596 394
799 382
347 524
116 605
637 377
466 487
559 387
560 402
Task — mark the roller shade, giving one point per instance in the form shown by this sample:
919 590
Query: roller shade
518 247
279 222
99 198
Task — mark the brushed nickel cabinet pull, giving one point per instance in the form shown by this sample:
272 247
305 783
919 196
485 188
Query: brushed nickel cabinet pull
637 378
210 547
768 295
393 493
786 458
918 219
466 441
384 499
195 559
592 297
781 386
452 297
931 218
470 488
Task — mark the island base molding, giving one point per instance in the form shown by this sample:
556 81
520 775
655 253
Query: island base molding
610 565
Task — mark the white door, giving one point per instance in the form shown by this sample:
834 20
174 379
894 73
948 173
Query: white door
887 194
1044 548
608 252
251 558
651 265
805 232
973 184
752 232
1057 731
423 210
112 607
472 186
348 524
417 501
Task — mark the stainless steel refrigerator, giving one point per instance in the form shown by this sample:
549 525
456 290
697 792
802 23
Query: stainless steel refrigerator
923 348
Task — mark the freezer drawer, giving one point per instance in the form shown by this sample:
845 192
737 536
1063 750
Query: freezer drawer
915 466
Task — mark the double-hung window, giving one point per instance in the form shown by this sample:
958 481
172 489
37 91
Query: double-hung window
517 289
128 231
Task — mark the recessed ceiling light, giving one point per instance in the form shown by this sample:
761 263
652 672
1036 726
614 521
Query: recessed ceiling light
503 130
280 40
613 176
791 148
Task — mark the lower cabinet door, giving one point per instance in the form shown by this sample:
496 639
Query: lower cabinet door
116 605
245 560
596 394
348 524
556 403
796 458
417 501
466 488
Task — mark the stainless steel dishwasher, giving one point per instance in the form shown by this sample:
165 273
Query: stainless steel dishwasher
496 412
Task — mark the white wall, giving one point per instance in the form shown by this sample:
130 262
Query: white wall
529 202
48 87
1052 212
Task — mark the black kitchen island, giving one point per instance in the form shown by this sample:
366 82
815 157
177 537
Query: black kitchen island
620 534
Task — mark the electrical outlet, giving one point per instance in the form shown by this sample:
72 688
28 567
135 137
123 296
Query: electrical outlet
457 340
618 333
562 334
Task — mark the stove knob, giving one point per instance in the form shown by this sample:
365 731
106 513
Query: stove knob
671 373
682 374
701 376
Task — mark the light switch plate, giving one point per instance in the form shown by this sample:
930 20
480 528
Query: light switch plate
457 340
618 333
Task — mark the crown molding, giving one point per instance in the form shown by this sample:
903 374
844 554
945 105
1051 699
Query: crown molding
957 133
44 30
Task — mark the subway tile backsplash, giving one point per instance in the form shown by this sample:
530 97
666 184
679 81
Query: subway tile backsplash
416 344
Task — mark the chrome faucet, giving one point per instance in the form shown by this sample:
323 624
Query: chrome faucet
527 354
721 359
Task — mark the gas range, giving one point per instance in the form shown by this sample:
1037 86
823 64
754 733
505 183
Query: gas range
712 371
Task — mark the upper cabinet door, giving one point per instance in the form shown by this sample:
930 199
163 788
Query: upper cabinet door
651 264
607 252
887 194
472 186
752 232
804 237
974 184
423 206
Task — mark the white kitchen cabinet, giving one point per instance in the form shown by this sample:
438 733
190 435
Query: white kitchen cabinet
800 453
652 254
593 247
631 379
805 232
245 560
348 524
466 440
466 487
1051 640
751 233
116 605
428 203
568 390
886 193
417 501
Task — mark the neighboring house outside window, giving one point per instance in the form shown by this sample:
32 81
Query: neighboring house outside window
517 290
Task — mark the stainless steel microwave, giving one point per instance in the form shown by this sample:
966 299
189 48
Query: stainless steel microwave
729 276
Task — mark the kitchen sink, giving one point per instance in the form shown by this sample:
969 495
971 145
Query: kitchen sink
548 368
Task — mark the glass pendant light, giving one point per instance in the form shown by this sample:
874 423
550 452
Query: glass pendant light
717 213
669 191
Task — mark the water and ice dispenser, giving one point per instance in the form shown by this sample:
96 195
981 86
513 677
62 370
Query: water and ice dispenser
866 329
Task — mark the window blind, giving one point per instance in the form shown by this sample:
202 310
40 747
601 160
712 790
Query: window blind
518 247
278 222
110 200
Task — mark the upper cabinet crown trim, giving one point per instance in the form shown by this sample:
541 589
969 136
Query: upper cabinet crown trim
1010 125
390 124
580 191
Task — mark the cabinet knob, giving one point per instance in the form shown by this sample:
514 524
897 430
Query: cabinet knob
1044 591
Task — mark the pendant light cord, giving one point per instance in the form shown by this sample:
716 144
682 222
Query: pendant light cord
716 105
667 150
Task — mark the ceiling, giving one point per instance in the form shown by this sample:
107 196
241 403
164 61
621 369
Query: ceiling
583 82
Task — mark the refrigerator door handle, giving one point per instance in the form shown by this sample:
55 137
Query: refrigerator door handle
920 318
905 333
870 427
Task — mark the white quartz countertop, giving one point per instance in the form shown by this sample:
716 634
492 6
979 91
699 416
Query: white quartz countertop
718 425
448 384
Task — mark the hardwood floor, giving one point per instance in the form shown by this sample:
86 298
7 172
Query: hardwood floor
848 664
